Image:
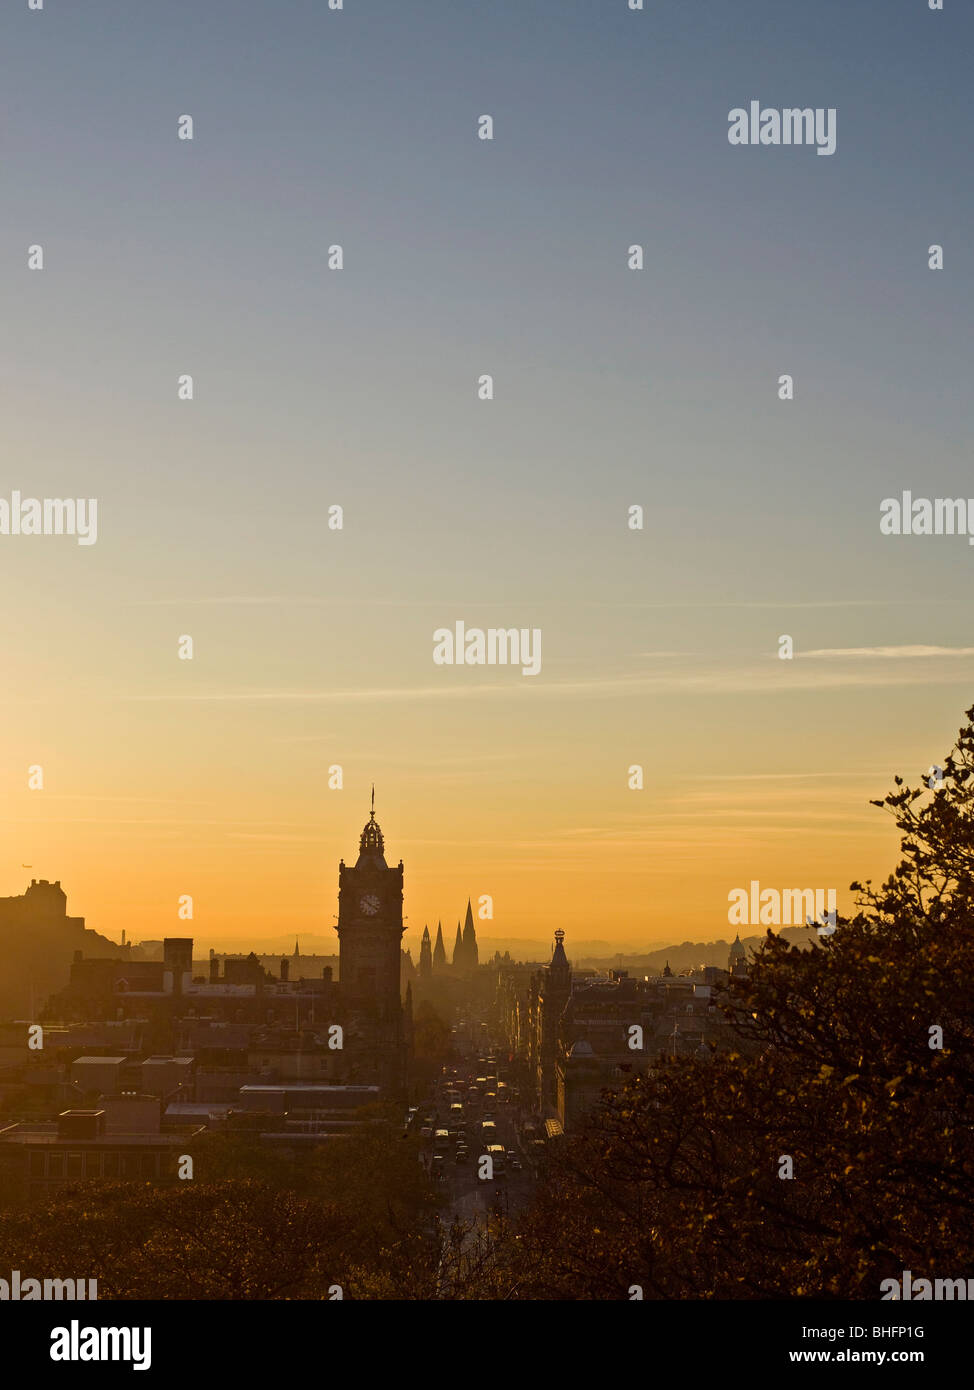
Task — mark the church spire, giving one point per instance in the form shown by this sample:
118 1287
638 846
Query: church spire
471 952
458 950
738 955
425 956
439 950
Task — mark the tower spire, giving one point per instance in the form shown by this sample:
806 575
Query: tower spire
471 952
559 961
425 956
371 843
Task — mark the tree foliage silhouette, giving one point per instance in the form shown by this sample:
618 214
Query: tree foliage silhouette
679 1183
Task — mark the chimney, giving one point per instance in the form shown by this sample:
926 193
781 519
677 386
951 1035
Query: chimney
326 973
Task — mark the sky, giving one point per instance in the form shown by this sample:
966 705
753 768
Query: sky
312 647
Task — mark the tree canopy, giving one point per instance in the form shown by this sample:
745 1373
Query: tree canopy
833 1148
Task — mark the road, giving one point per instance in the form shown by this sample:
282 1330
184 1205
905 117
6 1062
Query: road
471 1197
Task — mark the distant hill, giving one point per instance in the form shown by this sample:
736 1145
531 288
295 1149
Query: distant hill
524 948
690 953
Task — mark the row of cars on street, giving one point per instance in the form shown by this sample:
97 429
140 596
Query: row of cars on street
467 1101
472 1097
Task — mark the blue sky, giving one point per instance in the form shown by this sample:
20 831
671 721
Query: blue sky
612 388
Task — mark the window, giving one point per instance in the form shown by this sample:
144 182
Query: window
110 1165
37 1163
76 1166
55 1165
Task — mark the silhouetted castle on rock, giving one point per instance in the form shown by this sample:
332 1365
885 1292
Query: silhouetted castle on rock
38 940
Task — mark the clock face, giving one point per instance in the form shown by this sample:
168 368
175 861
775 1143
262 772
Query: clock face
369 905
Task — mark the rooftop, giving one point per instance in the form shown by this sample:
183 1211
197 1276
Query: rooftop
305 1086
35 1134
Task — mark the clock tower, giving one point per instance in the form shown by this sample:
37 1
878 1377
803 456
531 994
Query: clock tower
370 932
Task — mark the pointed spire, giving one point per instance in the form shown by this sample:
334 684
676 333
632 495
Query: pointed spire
737 956
296 951
458 949
559 961
425 956
471 952
439 950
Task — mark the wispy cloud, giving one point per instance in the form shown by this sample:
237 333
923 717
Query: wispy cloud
886 653
536 601
288 601
782 678
847 776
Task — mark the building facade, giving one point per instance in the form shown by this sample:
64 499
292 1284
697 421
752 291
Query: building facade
579 1033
